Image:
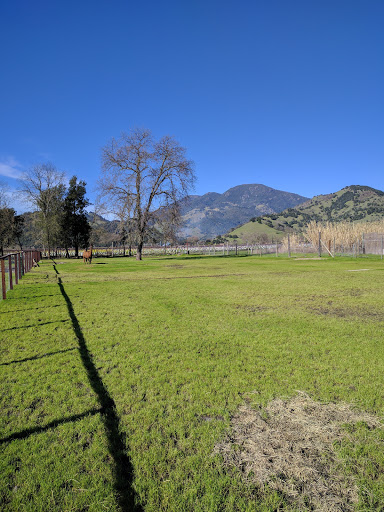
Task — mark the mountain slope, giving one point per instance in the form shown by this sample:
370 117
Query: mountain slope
352 203
213 214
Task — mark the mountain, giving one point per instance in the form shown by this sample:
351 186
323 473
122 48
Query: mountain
353 203
271 212
213 214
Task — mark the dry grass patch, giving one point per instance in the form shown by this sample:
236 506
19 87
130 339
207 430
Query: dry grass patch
251 309
347 313
289 446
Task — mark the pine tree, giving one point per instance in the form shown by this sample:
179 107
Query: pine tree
76 229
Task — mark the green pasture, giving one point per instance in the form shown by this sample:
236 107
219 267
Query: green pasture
119 378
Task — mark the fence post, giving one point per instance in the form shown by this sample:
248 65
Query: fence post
319 244
289 246
4 290
236 248
10 272
16 270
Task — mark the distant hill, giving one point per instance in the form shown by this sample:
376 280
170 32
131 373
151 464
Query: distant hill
213 214
352 203
104 231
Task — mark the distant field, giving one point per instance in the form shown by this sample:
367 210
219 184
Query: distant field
120 379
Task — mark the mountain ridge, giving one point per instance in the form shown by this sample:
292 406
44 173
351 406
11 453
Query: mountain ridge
212 214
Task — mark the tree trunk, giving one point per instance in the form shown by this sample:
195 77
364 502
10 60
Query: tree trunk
139 251
76 251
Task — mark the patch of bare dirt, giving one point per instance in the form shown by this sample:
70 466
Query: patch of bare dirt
339 312
354 292
250 308
289 446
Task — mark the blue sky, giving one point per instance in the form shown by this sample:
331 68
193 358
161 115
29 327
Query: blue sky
284 93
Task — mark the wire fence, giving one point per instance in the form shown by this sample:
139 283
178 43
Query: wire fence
13 266
367 244
371 244
291 246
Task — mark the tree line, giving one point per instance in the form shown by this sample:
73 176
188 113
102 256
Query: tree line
11 224
142 182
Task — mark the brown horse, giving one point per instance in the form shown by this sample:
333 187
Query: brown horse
87 256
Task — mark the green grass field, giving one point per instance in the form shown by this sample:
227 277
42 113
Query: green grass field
118 379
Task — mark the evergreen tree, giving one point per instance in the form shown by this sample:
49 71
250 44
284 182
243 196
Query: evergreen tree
11 227
76 229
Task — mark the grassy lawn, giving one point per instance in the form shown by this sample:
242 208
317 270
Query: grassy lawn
118 379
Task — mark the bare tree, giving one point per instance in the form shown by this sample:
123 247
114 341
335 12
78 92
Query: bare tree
43 186
255 238
146 174
123 211
4 195
168 222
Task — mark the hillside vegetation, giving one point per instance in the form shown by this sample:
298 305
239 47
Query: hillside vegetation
353 203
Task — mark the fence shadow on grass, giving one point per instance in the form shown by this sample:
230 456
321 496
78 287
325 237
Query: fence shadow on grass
32 296
8 312
123 470
33 325
33 358
23 434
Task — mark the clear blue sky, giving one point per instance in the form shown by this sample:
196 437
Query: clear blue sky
289 94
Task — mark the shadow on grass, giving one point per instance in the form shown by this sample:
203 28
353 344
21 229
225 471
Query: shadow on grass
33 358
32 296
29 309
123 470
23 434
33 325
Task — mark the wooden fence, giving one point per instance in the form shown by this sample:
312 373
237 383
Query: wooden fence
13 266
